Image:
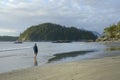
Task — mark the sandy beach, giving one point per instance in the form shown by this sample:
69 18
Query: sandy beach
98 69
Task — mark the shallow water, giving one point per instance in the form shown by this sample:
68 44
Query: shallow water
18 56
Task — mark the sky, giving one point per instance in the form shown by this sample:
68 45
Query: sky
18 15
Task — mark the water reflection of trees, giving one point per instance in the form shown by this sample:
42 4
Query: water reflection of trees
113 48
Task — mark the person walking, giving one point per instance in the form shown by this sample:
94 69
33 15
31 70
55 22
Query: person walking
35 48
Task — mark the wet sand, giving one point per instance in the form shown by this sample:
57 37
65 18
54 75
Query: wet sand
98 69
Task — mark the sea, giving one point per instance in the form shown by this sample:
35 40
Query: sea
20 56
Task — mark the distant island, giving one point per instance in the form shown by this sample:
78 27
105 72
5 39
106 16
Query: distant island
111 33
53 32
8 38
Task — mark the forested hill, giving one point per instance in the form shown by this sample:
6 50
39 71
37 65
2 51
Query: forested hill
111 33
52 32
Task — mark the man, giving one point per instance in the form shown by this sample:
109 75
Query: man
35 48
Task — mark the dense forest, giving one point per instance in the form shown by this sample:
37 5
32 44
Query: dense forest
111 33
8 38
52 32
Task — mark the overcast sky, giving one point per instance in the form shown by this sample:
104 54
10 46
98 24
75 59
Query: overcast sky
17 15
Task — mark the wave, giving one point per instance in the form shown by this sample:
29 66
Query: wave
13 49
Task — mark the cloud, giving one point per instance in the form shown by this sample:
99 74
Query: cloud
7 30
88 14
4 31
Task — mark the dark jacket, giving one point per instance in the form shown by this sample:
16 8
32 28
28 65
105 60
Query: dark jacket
35 48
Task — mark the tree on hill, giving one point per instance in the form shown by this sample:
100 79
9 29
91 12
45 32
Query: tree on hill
111 33
52 32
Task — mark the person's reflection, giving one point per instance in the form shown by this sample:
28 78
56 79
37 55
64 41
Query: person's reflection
35 61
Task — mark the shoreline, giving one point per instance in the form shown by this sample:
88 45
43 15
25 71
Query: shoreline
98 69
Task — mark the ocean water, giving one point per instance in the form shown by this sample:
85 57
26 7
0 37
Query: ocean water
19 56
